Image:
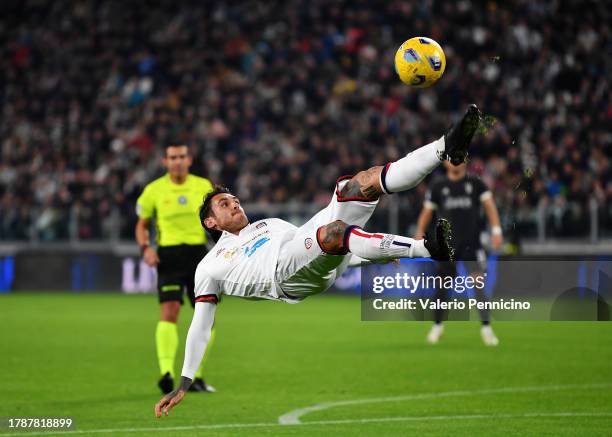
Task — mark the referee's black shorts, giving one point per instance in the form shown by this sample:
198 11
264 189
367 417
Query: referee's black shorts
176 271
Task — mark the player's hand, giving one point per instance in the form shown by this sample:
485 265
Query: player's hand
150 257
168 402
496 242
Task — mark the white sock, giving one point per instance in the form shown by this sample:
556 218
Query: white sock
407 172
378 246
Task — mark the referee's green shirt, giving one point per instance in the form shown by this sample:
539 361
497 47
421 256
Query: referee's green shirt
175 208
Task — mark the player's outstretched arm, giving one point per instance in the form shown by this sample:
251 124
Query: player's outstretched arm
168 402
197 340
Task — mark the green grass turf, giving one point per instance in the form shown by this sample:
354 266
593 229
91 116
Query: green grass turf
92 357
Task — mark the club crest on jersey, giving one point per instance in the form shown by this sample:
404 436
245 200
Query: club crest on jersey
308 243
260 225
468 188
182 200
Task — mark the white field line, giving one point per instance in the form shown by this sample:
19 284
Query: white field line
315 423
293 417
323 406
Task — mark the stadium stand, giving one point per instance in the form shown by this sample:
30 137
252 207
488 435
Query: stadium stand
279 98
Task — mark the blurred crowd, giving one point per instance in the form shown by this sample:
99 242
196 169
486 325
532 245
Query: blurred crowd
279 98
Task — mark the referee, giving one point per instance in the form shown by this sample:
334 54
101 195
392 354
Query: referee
460 198
173 201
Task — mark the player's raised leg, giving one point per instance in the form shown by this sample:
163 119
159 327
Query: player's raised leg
339 238
408 171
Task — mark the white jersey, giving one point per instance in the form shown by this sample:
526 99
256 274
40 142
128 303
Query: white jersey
273 259
244 265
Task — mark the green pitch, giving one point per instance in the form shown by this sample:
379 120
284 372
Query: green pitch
92 357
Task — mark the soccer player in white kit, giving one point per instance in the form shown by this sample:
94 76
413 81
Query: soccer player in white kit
273 259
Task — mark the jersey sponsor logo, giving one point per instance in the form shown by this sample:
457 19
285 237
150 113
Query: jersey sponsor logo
182 200
255 237
260 225
308 243
248 251
458 202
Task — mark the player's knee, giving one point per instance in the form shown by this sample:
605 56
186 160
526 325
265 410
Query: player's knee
331 238
169 311
365 184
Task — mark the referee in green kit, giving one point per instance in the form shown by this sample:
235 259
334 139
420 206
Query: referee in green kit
173 201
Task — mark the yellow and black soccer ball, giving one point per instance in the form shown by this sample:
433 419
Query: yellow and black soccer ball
420 62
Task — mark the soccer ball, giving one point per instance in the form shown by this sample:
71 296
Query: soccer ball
420 62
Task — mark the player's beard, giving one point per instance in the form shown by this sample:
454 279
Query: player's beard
241 220
237 222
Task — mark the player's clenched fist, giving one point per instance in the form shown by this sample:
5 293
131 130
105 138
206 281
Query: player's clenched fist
169 401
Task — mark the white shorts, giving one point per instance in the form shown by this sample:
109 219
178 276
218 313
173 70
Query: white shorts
303 269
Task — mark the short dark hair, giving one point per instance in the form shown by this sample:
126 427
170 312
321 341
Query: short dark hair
168 145
206 209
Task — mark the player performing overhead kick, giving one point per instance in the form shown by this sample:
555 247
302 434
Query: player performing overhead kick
273 259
